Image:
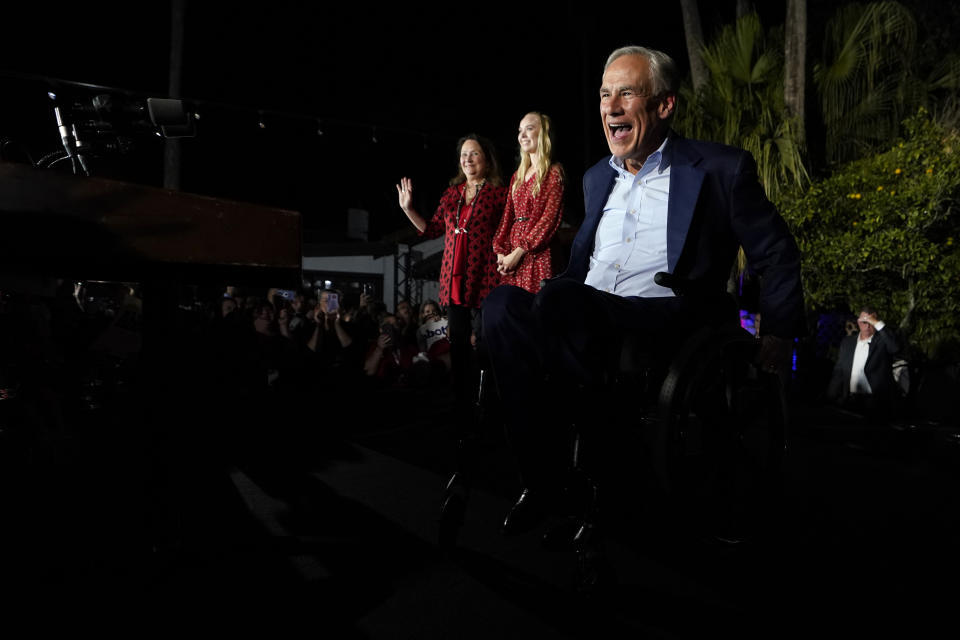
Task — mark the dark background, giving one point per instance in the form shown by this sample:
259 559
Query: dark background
412 77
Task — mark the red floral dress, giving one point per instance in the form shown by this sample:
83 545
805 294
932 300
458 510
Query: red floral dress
481 262
530 222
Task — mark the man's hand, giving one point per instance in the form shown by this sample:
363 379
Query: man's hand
869 318
775 354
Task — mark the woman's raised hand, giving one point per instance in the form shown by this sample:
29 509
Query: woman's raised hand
405 198
405 193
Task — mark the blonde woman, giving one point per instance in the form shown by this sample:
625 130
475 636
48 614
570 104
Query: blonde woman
533 209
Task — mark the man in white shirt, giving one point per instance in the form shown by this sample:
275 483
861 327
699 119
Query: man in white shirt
863 376
658 203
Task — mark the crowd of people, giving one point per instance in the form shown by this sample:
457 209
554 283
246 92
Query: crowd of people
257 348
337 339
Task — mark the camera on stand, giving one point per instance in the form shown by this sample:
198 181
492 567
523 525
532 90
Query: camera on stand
106 125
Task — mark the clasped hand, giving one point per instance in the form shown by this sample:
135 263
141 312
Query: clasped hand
508 263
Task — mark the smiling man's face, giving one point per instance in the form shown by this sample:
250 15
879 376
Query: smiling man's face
634 121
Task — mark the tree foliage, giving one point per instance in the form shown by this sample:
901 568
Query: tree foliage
743 103
871 76
865 77
885 230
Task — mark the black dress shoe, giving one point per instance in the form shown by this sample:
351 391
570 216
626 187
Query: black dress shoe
525 514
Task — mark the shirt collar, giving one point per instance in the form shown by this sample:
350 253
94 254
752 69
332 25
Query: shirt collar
656 160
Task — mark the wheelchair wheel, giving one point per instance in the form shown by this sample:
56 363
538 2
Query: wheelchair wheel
719 443
452 512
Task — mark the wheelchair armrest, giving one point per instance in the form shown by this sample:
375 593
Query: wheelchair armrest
699 290
671 281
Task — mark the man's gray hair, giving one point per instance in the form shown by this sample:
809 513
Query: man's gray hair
663 70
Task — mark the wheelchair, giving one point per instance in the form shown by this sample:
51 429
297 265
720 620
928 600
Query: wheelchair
713 426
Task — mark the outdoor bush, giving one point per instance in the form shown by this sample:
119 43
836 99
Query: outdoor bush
885 230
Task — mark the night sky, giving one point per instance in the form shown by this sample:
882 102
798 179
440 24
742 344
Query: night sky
414 79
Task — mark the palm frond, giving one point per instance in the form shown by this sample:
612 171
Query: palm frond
865 74
743 103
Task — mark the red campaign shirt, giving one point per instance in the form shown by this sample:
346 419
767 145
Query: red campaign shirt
543 213
481 262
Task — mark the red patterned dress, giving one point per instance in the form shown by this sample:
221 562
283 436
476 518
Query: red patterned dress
530 222
481 263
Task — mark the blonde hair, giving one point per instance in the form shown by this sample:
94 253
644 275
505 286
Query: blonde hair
544 155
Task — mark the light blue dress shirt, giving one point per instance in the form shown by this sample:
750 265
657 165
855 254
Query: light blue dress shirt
631 241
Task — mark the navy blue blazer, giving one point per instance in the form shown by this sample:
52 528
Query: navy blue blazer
716 205
878 368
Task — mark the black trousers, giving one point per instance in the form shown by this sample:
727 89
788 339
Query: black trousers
461 323
565 338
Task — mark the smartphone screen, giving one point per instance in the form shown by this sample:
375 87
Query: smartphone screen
333 302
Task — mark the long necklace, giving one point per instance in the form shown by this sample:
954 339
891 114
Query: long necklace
456 225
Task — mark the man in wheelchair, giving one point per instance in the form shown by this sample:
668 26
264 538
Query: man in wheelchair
664 217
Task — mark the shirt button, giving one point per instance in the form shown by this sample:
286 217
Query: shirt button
633 211
629 239
617 266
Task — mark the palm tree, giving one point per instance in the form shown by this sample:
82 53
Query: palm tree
694 37
743 103
795 63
